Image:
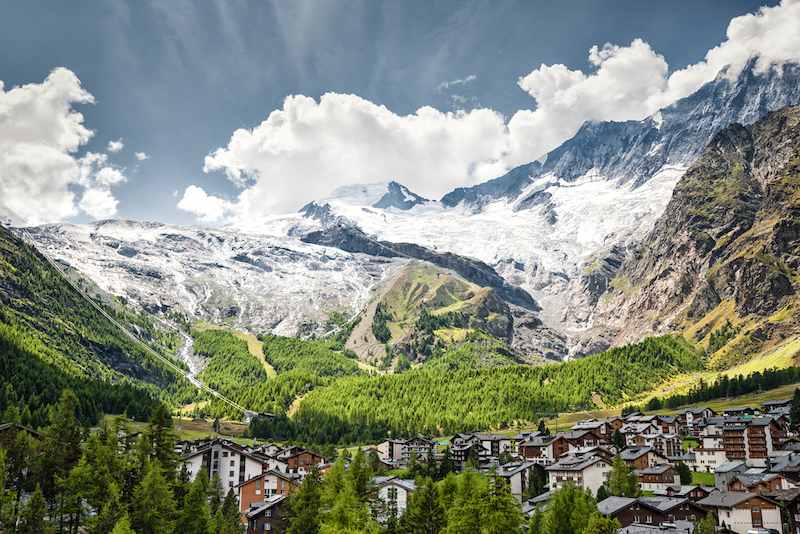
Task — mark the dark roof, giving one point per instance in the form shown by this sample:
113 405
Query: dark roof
726 499
786 495
611 505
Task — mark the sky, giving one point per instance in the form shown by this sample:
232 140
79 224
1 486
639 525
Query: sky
209 111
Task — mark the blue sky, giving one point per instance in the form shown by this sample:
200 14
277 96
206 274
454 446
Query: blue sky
216 110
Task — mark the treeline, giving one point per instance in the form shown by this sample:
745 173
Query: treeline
439 400
724 387
232 366
315 357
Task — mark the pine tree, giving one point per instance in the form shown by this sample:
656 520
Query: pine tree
464 516
425 514
599 524
618 440
685 473
123 526
305 505
216 494
153 506
32 518
111 514
195 514
501 512
448 465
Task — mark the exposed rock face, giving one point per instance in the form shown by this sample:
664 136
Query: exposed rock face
730 233
477 272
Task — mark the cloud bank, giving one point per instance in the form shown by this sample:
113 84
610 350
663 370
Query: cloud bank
308 148
39 134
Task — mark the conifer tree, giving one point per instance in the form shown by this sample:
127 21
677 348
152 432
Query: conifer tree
501 512
448 465
425 514
123 526
8 500
111 514
794 410
305 505
599 524
464 515
32 518
618 440
153 506
216 494
195 514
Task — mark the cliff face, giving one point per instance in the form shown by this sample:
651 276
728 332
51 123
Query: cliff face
728 239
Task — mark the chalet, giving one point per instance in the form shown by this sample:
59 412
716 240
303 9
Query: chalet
266 486
787 465
516 476
741 411
642 457
495 443
752 439
658 478
742 511
650 510
689 418
585 471
789 500
9 431
302 461
708 459
391 450
775 404
761 483
522 437
263 515
693 493
420 445
666 444
461 453
396 490
725 473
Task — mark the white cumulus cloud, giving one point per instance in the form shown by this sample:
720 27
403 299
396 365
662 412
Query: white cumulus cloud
115 146
308 148
206 208
39 134
141 156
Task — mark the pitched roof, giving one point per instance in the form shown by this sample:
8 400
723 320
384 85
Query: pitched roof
726 499
611 505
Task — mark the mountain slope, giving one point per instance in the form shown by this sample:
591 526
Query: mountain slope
46 327
726 249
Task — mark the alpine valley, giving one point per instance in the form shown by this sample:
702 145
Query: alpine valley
561 258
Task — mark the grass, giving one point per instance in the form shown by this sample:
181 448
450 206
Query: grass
706 479
685 444
195 428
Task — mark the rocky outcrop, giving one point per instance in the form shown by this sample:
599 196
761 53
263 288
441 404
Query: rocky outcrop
354 240
730 233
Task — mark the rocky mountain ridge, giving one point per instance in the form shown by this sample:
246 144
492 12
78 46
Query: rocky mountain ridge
726 249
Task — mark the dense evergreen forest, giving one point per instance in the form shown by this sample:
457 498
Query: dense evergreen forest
452 395
231 366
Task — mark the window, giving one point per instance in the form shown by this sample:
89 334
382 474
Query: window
283 483
258 492
230 483
636 519
755 508
756 521
224 454
648 519
258 483
268 513
233 463
230 473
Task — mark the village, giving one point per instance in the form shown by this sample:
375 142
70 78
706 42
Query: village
755 468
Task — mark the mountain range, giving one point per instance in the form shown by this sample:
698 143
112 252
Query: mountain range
587 248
